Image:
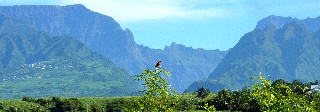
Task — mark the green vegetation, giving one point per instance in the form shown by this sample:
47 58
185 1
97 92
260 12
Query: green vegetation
158 95
66 78
278 95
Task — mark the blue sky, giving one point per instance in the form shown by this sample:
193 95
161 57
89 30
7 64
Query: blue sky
208 24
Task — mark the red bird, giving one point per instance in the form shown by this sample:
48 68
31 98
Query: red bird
158 64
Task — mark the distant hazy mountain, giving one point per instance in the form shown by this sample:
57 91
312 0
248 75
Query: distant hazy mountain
281 47
101 33
36 64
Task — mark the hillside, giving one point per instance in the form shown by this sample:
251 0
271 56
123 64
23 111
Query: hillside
37 64
285 48
103 34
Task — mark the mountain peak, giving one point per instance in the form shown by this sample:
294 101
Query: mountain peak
276 21
76 7
128 33
174 45
294 29
129 38
312 23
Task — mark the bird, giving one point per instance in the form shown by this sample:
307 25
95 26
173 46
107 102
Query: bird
157 65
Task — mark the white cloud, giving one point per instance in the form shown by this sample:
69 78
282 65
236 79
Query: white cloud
139 10
136 10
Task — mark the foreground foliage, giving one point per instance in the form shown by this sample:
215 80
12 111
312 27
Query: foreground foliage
278 95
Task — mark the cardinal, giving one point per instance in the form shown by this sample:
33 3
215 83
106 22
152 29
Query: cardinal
157 65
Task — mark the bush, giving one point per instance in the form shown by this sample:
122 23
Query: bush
188 102
158 95
279 97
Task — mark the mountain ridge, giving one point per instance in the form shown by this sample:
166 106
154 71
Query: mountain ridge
103 34
278 22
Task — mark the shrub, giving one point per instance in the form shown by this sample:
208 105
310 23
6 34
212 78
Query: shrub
279 97
158 95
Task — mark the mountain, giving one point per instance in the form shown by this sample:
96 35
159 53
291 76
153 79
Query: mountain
284 48
277 21
36 64
103 34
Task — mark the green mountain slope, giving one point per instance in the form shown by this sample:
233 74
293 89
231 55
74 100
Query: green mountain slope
289 52
37 64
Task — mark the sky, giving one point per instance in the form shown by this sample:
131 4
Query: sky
208 24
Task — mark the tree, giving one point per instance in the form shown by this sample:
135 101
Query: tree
203 92
158 95
279 81
222 100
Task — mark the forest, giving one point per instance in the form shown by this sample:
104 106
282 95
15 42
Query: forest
265 95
